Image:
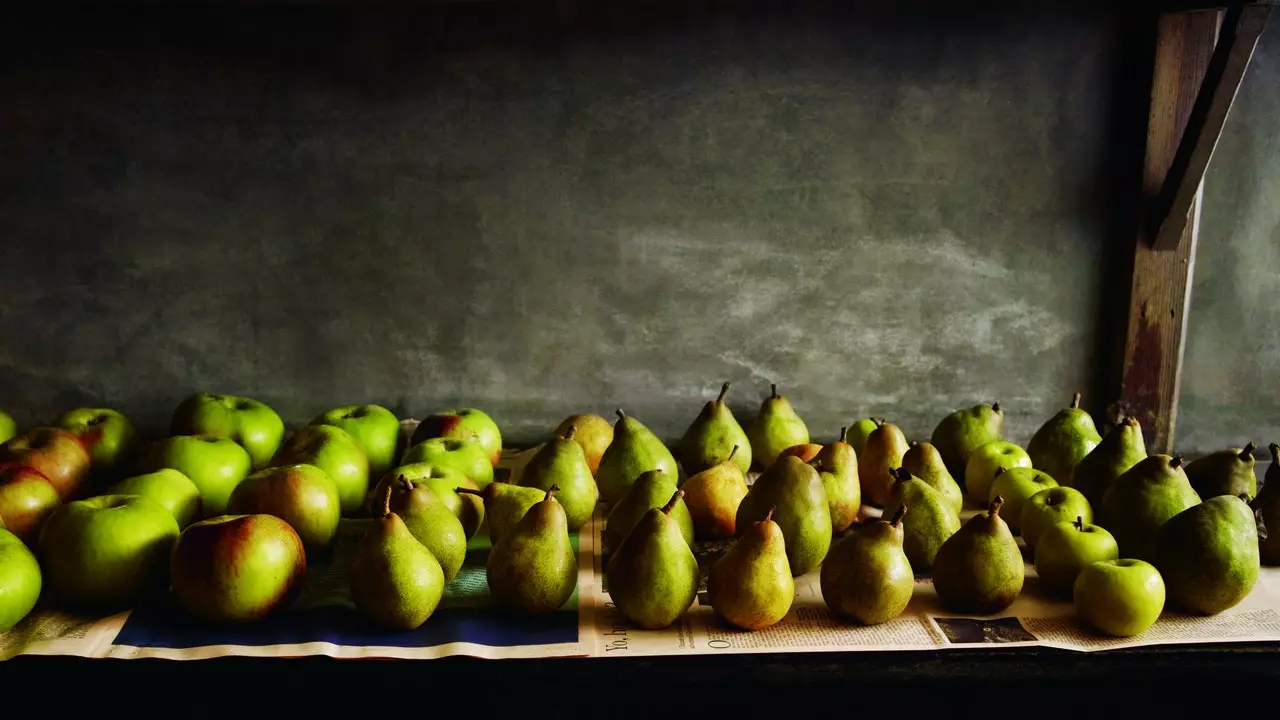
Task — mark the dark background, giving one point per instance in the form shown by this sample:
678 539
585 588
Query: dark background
538 209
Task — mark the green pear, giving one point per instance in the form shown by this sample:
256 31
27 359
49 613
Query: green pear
712 436
561 462
750 586
776 428
931 521
1017 486
395 581
1208 555
533 570
713 496
504 505
432 523
979 570
1063 441
924 461
1225 472
867 577
862 430
794 490
653 577
966 430
837 465
445 483
1268 506
652 490
634 450
885 449
1120 450
1142 500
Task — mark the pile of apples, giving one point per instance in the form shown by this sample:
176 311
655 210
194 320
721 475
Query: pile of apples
225 511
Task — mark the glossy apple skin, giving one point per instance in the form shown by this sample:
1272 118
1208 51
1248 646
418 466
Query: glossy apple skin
169 489
338 454
805 452
375 427
26 499
980 470
20 580
1120 597
237 568
8 427
301 495
462 455
464 424
215 464
1064 550
1051 506
442 481
58 454
109 436
249 422
103 553
592 432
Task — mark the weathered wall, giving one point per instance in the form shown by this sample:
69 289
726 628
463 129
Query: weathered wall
893 212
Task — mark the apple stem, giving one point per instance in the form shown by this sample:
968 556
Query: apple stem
724 390
773 390
666 510
1075 401
1079 523
994 508
913 443
879 421
769 515
897 515
844 434
568 434
732 452
386 502
1247 453
551 491
995 406
621 415
1175 462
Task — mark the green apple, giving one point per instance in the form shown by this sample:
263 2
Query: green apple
980 470
1054 505
466 424
103 552
169 489
444 482
301 495
108 435
251 423
462 455
338 454
8 426
26 499
215 464
1066 548
58 454
20 580
1119 597
377 429
1016 487
236 568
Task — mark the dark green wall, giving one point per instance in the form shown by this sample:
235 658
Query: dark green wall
895 211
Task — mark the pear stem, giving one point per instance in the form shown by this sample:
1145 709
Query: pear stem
469 491
1079 523
551 491
773 390
1275 452
1247 453
844 434
900 474
999 471
897 515
666 509
769 515
724 390
995 406
569 433
994 508
386 502
406 483
732 452
1075 401
621 415
1175 462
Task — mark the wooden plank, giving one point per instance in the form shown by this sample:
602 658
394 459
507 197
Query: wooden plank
1160 283
1243 25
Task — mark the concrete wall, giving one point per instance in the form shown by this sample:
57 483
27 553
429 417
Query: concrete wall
892 211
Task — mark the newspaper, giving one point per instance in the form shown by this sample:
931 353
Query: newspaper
323 621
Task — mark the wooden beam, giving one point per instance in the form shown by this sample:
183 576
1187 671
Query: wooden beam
1160 283
1243 25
